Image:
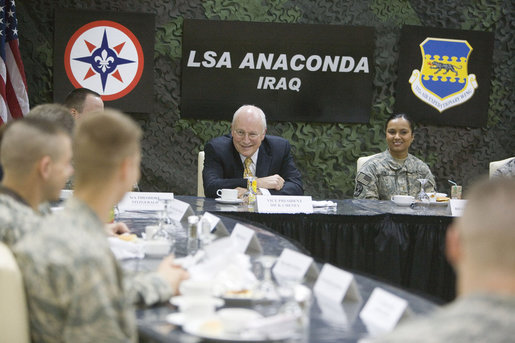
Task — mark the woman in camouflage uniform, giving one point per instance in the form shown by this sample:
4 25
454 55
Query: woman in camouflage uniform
394 171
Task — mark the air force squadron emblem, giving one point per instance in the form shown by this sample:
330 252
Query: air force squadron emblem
443 81
106 57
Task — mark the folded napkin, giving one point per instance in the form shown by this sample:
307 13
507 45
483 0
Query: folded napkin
224 267
323 203
123 249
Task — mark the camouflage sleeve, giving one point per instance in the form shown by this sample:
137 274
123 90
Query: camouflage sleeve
71 300
146 288
431 183
366 186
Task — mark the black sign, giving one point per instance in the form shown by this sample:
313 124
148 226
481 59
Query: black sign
110 53
444 75
315 73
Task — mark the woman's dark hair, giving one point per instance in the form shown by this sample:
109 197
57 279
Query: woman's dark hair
404 116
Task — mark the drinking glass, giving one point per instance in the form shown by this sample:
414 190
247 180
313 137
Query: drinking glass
267 299
422 196
165 218
267 287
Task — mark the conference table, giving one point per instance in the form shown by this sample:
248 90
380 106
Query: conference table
404 246
339 323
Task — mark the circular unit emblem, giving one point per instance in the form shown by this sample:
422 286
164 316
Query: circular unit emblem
105 57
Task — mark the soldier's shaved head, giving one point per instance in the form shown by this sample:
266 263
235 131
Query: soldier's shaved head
27 140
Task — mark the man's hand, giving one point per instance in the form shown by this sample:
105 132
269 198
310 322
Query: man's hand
116 228
271 182
172 273
241 191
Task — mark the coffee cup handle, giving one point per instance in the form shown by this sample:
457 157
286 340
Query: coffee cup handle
219 192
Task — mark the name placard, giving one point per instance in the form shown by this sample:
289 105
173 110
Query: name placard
336 285
342 314
245 239
215 225
457 207
284 204
296 266
179 210
144 201
383 311
219 246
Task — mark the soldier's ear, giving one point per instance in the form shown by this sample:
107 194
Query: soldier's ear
44 167
453 249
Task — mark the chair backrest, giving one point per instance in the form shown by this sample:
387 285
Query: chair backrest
494 165
14 321
361 161
200 168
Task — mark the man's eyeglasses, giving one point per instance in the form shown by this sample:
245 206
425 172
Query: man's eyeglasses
242 133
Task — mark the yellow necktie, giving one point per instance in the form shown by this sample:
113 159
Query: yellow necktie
247 172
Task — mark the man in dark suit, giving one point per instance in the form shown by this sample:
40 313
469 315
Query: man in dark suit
248 151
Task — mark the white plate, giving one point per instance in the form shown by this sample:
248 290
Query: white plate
181 300
439 203
235 201
176 318
200 328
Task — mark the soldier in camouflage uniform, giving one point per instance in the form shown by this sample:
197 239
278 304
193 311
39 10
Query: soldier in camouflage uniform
36 156
382 176
76 291
394 171
480 247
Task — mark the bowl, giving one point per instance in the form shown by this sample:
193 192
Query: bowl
403 200
157 247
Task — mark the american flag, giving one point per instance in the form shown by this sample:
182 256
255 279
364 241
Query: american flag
14 100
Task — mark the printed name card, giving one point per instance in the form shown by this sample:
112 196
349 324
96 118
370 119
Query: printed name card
342 314
383 311
336 285
215 225
457 207
179 210
245 239
294 265
144 201
218 247
284 204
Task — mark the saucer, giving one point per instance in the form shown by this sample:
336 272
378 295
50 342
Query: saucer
182 300
176 318
234 201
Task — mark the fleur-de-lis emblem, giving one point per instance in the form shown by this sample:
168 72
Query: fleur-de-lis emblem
104 62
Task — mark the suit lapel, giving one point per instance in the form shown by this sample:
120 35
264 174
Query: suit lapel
238 165
264 160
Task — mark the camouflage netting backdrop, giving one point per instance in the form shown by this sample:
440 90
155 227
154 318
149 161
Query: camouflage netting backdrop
325 153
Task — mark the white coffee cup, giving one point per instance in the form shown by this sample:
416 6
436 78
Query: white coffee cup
403 200
150 230
157 248
196 287
227 194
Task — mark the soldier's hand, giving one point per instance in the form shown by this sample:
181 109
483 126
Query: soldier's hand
172 273
116 228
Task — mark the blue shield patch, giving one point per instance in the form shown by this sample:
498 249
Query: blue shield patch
443 80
